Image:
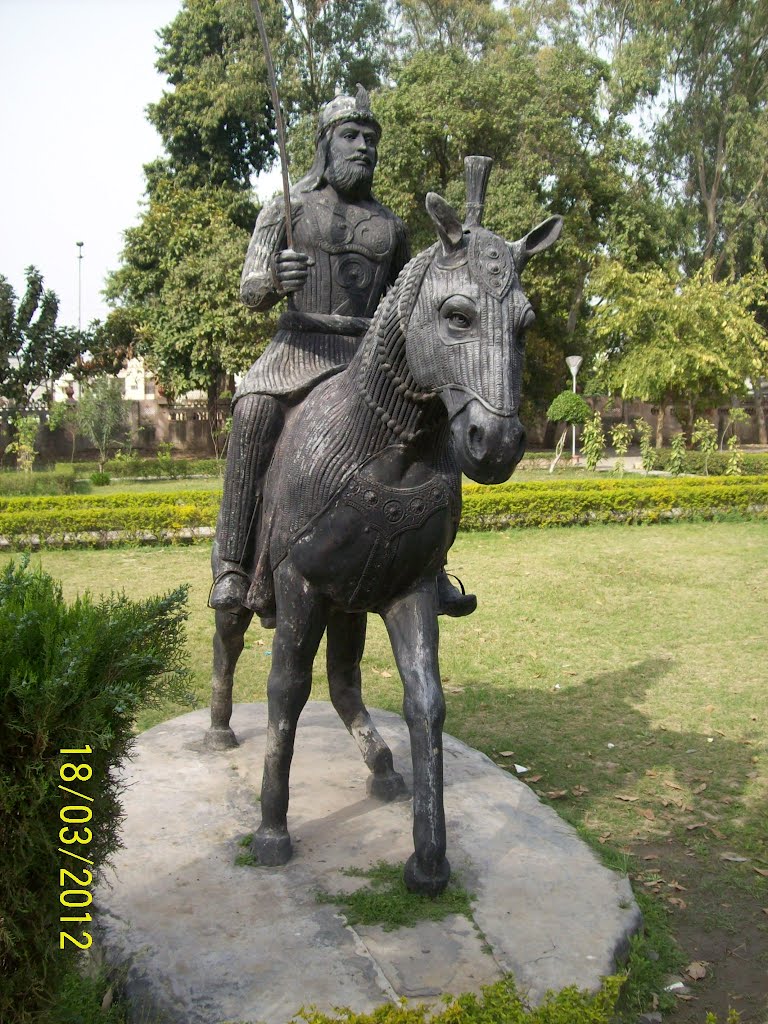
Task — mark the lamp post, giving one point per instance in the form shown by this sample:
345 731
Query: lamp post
574 362
79 286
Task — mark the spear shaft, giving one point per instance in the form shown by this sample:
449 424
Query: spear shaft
272 79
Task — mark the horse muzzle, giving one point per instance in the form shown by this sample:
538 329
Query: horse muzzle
488 444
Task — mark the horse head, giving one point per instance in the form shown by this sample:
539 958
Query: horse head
466 329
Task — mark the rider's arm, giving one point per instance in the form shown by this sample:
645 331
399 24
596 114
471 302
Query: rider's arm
259 287
402 252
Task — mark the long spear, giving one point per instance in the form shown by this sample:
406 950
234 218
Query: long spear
272 79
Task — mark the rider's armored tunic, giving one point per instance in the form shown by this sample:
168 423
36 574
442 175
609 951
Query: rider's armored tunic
358 251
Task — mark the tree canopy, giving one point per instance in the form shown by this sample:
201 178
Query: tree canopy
33 350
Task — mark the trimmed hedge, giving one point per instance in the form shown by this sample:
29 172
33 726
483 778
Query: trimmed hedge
638 500
54 520
135 468
104 519
59 481
755 463
71 676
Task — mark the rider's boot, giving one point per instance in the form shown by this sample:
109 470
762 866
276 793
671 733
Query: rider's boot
230 587
450 600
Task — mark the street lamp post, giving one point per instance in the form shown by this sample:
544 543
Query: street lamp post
574 362
79 286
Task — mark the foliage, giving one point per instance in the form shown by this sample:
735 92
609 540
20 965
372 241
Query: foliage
70 676
735 466
669 339
677 455
593 441
99 520
627 500
23 446
100 479
101 415
129 465
33 350
755 463
735 415
621 435
497 1004
179 284
60 481
705 436
647 453
93 519
568 407
387 901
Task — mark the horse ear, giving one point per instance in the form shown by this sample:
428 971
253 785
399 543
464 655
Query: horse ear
537 240
446 221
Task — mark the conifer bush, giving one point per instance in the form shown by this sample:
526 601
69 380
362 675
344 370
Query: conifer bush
71 676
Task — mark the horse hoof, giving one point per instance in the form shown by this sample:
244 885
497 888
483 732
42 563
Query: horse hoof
386 787
427 883
271 849
220 738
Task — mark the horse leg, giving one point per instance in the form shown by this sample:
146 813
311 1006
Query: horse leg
346 640
228 643
411 622
301 619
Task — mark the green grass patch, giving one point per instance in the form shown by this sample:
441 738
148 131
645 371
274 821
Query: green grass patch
387 902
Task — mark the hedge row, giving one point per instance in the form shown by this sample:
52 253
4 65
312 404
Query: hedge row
755 463
133 467
638 500
60 481
53 521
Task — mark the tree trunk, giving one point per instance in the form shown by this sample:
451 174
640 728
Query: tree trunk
760 413
660 424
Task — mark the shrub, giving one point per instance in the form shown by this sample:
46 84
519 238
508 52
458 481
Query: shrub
60 481
99 479
498 1004
593 441
755 463
639 500
71 677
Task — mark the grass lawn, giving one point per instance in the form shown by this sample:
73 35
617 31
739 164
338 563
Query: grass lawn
625 667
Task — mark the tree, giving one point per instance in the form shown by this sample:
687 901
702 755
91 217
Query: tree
675 340
179 289
33 350
471 26
101 415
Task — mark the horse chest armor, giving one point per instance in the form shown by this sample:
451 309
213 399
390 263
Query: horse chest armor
352 248
390 511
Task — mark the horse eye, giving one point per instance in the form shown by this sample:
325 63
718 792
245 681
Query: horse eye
459 320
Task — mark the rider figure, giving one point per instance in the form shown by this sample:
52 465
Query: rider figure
348 250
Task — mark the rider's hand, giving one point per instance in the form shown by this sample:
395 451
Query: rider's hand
290 270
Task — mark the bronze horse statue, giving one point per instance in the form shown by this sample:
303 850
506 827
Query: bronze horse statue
362 502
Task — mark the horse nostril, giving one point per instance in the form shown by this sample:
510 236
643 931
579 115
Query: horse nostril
475 440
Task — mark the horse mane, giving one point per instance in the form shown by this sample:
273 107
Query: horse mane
380 369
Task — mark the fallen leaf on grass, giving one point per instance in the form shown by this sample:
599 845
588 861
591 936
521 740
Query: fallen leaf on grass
579 790
647 813
651 856
765 910
386 675
627 799
762 871
556 794
696 970
677 886
672 785
534 778
607 836
699 824
701 788
506 753
734 858
677 902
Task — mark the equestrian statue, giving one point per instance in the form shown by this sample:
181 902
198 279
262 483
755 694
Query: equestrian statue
351 455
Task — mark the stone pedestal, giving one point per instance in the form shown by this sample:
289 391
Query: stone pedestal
203 940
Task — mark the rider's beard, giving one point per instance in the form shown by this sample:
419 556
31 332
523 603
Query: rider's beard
349 177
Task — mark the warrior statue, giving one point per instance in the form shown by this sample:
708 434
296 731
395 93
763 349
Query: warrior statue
348 250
